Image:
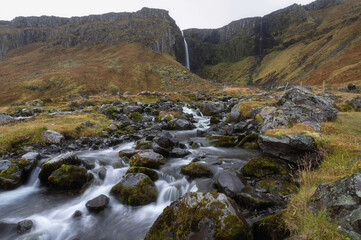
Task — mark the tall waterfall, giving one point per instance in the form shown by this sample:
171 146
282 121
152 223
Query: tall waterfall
187 53
260 37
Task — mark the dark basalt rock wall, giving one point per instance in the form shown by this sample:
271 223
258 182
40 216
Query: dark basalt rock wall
151 27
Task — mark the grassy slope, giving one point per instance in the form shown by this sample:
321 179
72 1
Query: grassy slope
331 53
34 71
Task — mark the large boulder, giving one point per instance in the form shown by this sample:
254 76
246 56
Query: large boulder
147 171
135 190
97 204
163 143
69 177
230 183
212 108
24 226
148 159
196 170
53 164
200 216
181 124
222 141
235 114
52 137
292 148
298 105
342 202
133 109
356 103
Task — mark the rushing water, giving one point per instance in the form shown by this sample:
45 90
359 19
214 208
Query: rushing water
187 52
52 212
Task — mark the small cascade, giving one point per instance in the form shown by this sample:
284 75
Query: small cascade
187 52
261 37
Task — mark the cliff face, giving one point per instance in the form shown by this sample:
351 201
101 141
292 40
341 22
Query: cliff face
152 27
251 36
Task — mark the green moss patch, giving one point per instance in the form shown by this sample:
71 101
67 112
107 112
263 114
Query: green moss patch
196 170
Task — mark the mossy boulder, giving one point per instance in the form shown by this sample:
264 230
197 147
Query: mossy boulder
264 166
196 170
277 186
200 216
222 141
128 153
135 116
148 159
135 190
147 171
272 227
211 108
143 145
52 164
69 177
249 141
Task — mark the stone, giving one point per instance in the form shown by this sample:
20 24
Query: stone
235 114
135 190
200 216
97 204
271 227
222 141
148 159
153 175
196 170
181 124
211 108
77 214
52 137
53 164
6 119
128 153
102 173
179 153
229 183
69 177
356 103
260 167
24 226
112 127
342 202
296 149
132 109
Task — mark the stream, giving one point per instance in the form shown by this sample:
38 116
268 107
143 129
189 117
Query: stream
52 212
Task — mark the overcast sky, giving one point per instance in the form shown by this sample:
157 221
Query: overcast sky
187 13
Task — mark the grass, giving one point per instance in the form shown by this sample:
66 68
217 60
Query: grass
29 131
344 145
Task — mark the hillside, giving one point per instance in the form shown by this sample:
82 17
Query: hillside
55 57
308 44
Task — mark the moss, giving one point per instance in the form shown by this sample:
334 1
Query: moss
233 228
277 186
22 163
249 201
69 177
264 166
12 169
153 175
127 153
142 145
135 116
196 170
140 160
250 138
222 141
271 228
141 194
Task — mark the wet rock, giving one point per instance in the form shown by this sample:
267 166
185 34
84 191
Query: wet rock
52 137
97 204
148 159
69 177
163 143
24 226
128 153
229 183
102 173
143 145
77 214
6 119
153 175
135 189
53 164
292 148
341 200
271 228
179 153
211 108
222 141
204 216
249 141
356 103
181 124
260 167
196 170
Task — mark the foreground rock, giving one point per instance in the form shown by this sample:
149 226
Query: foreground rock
295 149
341 200
24 226
69 177
200 216
196 170
135 189
211 108
97 204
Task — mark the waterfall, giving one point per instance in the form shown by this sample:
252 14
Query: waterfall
187 53
260 37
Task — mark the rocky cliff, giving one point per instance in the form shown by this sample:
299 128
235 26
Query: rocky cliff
290 44
152 27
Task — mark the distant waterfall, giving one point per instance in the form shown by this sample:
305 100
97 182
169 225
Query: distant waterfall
260 37
187 53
